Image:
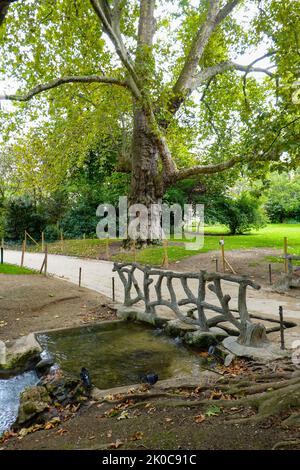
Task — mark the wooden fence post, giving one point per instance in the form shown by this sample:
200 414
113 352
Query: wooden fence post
62 240
23 252
222 254
107 248
285 249
281 328
165 263
46 260
113 288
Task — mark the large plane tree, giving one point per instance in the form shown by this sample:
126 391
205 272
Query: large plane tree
174 67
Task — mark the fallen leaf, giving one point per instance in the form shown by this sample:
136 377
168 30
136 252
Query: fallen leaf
168 420
213 411
61 431
109 433
123 415
92 437
116 445
52 423
199 419
109 397
137 436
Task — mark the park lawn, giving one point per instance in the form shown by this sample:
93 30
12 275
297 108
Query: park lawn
12 269
86 248
270 236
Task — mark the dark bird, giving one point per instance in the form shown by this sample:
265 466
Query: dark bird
150 379
213 352
85 378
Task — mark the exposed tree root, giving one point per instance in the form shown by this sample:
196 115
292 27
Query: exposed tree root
283 398
287 443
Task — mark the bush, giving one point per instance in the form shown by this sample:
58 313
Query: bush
52 233
21 215
242 214
283 199
79 220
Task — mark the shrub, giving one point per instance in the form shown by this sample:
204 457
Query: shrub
21 215
52 233
242 214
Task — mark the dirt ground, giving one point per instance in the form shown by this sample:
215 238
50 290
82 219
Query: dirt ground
250 262
34 303
157 428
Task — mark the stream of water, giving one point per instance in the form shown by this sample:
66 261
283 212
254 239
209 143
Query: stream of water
10 390
115 353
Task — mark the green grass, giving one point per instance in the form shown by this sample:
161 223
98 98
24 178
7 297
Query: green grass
268 237
12 269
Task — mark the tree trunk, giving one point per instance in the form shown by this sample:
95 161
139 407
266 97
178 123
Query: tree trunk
146 186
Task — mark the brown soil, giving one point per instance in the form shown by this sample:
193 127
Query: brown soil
34 303
249 262
151 428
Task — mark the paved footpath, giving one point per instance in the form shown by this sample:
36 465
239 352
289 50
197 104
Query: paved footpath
97 275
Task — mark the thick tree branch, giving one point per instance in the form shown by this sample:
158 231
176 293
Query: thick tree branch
146 28
215 16
4 5
63 81
214 70
111 27
219 167
206 169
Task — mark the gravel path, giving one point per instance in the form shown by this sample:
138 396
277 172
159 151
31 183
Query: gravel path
97 275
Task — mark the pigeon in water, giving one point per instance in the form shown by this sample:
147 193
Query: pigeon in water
213 352
85 378
150 379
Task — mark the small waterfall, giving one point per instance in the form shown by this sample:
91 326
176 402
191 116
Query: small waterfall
10 390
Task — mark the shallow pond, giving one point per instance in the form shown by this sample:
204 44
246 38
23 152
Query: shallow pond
118 353
10 390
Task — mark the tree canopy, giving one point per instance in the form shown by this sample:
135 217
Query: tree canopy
83 68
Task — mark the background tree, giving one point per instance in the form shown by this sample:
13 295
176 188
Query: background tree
283 198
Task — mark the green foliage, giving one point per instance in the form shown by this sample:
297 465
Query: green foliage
213 410
52 233
283 198
21 215
242 213
80 220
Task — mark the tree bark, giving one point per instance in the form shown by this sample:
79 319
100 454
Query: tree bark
146 185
